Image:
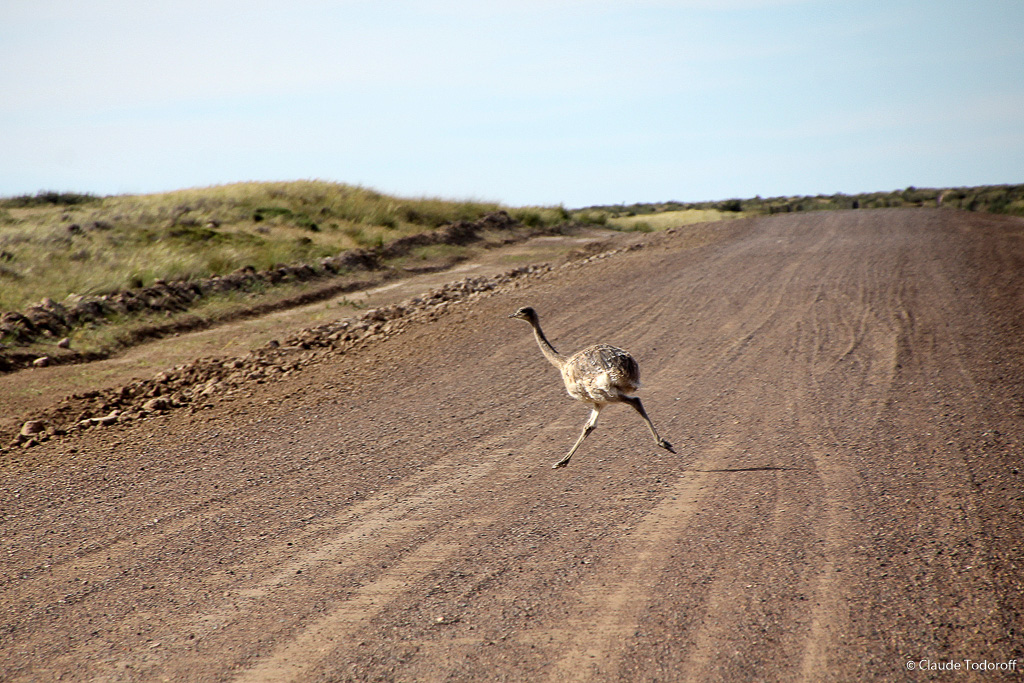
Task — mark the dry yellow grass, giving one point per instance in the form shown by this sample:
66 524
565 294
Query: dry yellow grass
669 219
114 243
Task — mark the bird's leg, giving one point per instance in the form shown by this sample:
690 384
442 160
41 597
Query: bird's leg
587 428
639 407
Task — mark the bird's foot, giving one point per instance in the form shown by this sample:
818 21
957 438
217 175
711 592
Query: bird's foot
560 463
666 445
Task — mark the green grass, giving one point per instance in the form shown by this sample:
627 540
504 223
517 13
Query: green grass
57 244
667 219
649 218
120 331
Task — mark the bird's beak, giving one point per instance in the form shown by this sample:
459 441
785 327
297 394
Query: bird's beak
511 315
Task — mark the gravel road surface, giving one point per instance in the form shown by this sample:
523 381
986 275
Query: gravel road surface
846 395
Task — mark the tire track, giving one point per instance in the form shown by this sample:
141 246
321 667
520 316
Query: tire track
336 550
341 552
608 611
824 517
299 656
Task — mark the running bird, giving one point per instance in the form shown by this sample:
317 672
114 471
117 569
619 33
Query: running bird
597 375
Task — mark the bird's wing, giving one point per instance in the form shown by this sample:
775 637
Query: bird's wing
617 365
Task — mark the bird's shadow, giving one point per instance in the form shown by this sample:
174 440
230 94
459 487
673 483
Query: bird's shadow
764 468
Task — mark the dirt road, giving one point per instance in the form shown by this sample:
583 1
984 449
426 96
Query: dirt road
845 394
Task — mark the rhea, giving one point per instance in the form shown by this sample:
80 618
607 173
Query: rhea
597 375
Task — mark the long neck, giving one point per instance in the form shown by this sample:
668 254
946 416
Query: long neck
557 359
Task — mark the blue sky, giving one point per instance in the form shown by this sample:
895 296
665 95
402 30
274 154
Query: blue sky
573 102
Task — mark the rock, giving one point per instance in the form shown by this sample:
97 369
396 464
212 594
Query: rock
156 404
41 362
102 421
107 419
64 343
33 427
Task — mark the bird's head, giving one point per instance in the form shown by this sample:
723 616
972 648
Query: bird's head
525 313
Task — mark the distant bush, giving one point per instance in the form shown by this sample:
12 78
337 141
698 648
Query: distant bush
540 216
48 198
594 216
531 218
264 212
1006 199
286 215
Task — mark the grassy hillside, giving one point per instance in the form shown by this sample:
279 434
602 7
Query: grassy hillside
57 244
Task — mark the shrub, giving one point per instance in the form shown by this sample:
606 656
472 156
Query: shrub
531 218
49 198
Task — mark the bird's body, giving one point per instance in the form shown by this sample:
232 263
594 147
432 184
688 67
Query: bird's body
600 374
597 375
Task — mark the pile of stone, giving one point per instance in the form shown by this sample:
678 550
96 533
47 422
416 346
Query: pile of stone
191 385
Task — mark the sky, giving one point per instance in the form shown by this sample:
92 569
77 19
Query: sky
527 102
